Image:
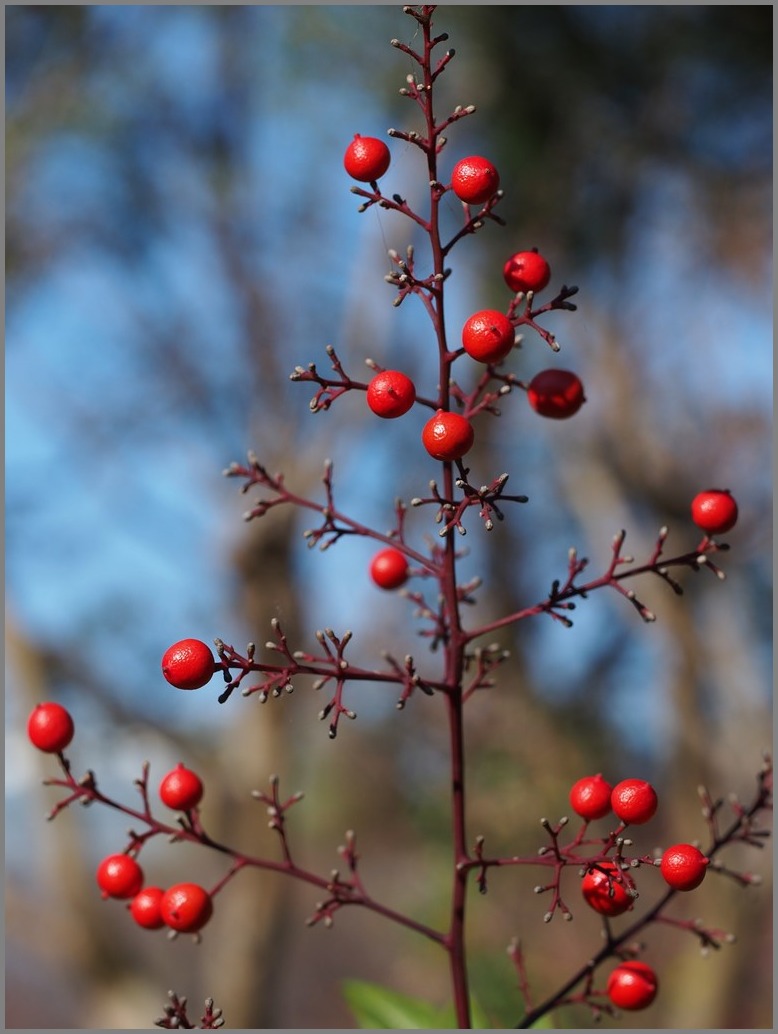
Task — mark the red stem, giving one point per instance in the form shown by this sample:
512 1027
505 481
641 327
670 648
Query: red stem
455 645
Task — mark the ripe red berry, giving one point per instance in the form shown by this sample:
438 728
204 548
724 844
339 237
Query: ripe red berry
632 985
188 664
488 336
181 789
590 797
603 893
447 436
526 271
474 180
366 158
50 728
389 568
683 866
634 801
556 393
145 908
186 907
119 876
391 394
715 511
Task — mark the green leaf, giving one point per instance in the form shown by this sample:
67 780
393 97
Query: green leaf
378 1008
544 1023
478 1018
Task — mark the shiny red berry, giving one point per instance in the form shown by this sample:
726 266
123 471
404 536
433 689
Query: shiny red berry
145 908
634 801
556 393
715 511
447 436
188 664
50 728
186 907
119 876
632 985
683 866
474 180
603 892
590 797
526 271
389 569
366 158
181 789
488 336
391 394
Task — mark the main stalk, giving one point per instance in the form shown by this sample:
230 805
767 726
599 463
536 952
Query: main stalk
455 645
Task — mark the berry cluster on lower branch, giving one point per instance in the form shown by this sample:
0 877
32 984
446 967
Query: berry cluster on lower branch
607 871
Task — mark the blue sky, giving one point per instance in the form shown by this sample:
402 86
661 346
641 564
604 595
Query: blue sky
84 537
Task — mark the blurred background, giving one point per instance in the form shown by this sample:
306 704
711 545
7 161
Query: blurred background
180 235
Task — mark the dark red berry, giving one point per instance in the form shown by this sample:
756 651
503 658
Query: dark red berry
556 393
50 728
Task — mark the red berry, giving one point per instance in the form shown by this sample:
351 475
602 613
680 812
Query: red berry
366 158
603 893
683 866
590 797
188 664
447 436
488 336
389 569
632 985
119 876
50 728
390 394
181 789
556 393
145 908
715 511
526 271
634 801
186 907
474 180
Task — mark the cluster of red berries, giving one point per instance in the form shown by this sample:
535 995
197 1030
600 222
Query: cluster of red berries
487 336
185 907
632 985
